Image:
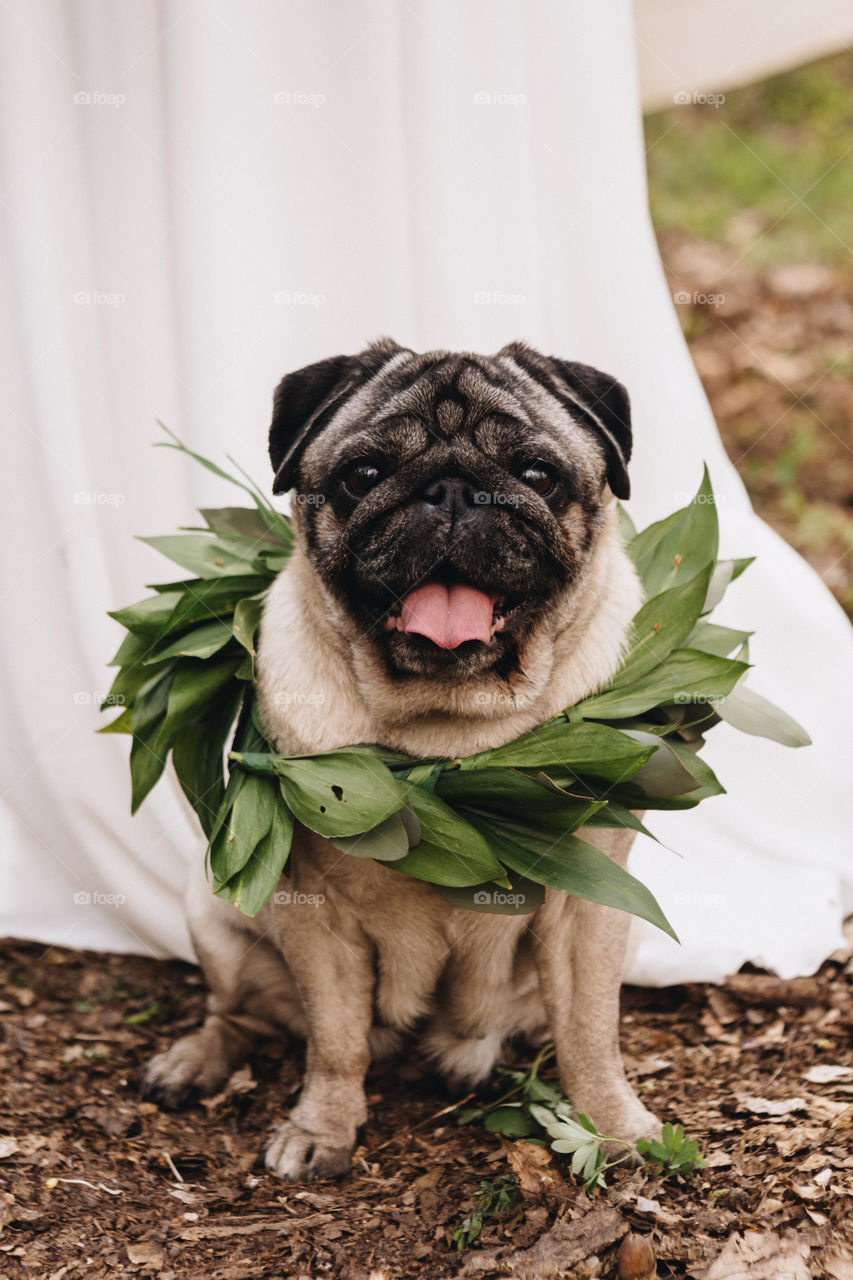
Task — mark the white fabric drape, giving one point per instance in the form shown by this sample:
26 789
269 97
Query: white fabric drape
200 196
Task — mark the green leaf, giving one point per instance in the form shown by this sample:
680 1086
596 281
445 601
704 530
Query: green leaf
150 743
574 866
171 700
687 676
198 757
627 528
210 599
509 793
751 713
675 550
147 617
725 572
512 1120
615 815
241 522
386 843
339 794
253 885
132 649
123 723
246 619
202 555
710 638
708 785
582 748
664 774
195 688
661 625
248 819
442 827
201 642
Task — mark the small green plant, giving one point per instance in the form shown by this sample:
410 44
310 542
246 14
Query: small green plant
157 1011
673 1153
490 1201
533 1106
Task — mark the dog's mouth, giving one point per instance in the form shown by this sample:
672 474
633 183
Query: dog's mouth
450 614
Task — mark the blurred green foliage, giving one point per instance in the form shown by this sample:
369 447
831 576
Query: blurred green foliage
781 148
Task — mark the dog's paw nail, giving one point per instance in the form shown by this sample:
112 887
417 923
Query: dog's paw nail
298 1156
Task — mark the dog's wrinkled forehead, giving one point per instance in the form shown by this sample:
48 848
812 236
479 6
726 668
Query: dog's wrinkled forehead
452 392
441 397
347 400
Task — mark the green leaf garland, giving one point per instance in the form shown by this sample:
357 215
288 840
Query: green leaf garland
491 831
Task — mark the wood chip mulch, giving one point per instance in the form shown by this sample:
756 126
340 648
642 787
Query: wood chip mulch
95 1182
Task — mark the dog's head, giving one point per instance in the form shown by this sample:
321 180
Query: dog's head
450 501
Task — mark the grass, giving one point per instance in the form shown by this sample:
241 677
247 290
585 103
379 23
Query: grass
782 149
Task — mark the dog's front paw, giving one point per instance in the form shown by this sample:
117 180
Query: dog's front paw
195 1065
626 1121
299 1156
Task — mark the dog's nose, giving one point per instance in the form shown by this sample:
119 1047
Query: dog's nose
450 495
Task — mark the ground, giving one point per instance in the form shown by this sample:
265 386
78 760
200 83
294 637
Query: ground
95 1182
752 201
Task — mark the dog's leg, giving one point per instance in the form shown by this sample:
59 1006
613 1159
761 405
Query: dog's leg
252 995
580 948
334 973
477 1005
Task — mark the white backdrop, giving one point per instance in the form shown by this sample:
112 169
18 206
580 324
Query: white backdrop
200 196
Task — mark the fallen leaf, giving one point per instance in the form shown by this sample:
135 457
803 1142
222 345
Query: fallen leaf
147 1253
837 1266
718 1159
828 1073
761 1255
789 1141
8 1147
766 1107
534 1167
7 1207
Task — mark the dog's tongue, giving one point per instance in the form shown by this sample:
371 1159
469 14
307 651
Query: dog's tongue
448 615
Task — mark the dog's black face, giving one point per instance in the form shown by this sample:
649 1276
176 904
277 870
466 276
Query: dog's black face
448 501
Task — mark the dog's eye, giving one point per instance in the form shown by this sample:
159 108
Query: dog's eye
362 477
538 477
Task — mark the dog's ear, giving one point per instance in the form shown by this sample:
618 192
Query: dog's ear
593 398
305 400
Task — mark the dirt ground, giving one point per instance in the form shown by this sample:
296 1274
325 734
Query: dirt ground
773 346
96 1182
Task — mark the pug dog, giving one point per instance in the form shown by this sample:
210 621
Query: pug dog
458 578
